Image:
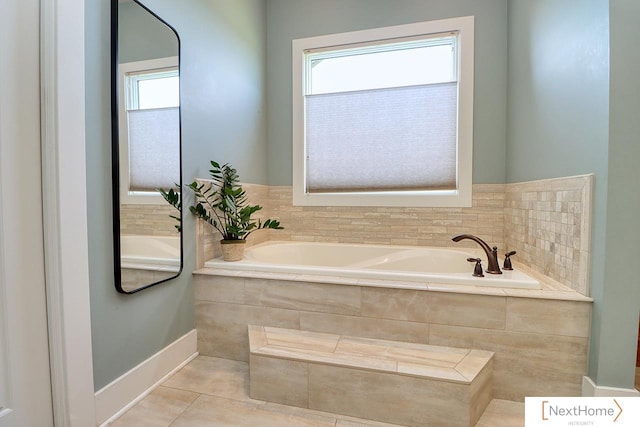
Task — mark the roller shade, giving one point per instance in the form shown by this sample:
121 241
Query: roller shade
154 148
382 140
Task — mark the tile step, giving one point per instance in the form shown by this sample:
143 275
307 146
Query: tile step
390 381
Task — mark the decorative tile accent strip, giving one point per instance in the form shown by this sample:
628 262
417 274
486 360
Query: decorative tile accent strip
392 225
549 223
147 220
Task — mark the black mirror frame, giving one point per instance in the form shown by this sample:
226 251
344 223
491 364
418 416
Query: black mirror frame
115 153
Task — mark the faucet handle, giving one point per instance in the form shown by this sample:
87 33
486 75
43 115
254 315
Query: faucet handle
477 270
507 260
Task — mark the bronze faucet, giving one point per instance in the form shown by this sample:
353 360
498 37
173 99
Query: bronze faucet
492 254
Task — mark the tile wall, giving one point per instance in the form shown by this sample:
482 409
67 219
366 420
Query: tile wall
147 220
392 225
547 222
540 344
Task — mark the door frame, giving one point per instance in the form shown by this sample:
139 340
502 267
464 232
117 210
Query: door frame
65 204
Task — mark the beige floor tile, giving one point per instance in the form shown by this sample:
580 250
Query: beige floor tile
502 413
213 376
362 423
213 411
163 405
300 412
158 409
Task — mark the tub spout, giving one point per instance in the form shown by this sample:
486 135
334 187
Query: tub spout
492 254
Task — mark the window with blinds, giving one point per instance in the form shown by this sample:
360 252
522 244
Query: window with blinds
380 116
149 125
153 100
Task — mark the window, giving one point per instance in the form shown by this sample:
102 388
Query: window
384 117
149 129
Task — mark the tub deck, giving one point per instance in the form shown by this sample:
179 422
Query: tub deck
373 262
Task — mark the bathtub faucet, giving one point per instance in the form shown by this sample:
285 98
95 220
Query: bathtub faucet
492 254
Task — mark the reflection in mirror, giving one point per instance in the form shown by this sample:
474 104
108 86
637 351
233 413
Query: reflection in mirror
146 146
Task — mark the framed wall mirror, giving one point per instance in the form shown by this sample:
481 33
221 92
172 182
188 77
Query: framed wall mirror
146 147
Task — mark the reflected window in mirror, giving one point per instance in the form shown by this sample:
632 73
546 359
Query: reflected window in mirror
149 129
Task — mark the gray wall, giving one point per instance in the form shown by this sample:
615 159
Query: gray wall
223 107
563 119
141 36
615 338
292 19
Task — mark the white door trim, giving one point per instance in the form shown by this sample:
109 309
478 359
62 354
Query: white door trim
65 207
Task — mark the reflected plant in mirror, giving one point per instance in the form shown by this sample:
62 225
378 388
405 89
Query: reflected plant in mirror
146 147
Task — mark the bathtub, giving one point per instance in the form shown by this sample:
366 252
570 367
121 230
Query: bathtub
378 262
150 252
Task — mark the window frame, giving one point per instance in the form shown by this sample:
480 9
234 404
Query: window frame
124 69
462 196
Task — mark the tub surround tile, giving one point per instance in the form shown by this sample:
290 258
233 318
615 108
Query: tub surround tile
467 289
547 222
480 311
386 397
303 296
529 343
547 295
550 288
394 304
459 364
394 330
562 318
222 327
266 376
279 337
147 220
413 384
219 289
525 364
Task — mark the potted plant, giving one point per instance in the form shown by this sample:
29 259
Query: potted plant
224 205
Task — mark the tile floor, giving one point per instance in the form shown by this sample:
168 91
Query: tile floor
213 392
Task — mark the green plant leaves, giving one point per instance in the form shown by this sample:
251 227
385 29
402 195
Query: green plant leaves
224 204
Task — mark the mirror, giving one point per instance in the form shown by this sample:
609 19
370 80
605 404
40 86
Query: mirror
146 147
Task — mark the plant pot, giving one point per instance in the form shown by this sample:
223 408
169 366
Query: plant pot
233 250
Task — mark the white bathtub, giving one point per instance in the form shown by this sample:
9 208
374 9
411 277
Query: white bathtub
150 252
383 262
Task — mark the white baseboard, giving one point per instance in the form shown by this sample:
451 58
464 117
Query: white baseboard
117 397
591 389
